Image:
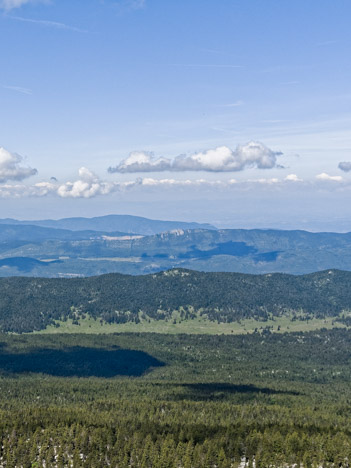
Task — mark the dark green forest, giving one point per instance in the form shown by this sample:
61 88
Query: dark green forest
28 304
151 400
175 401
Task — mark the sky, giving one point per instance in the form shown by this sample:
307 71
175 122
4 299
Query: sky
233 112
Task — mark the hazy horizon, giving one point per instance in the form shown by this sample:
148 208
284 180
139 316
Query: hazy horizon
343 225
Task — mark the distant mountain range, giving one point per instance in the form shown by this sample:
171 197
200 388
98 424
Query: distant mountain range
112 223
122 246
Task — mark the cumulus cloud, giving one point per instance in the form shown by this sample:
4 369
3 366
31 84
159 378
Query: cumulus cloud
292 178
220 159
40 189
345 166
10 168
326 177
88 185
223 159
141 161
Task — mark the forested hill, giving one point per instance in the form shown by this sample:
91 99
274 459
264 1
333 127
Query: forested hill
28 304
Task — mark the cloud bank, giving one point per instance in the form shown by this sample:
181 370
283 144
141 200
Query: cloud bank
220 159
89 185
10 168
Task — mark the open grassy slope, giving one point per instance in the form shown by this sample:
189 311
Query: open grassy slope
196 326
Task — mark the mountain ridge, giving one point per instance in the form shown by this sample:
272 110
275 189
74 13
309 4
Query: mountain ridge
89 253
35 250
29 304
110 223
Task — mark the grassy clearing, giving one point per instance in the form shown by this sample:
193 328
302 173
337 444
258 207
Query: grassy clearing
194 326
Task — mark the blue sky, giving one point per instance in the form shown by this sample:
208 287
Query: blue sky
232 112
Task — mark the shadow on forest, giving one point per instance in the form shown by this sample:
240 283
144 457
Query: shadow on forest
220 391
79 361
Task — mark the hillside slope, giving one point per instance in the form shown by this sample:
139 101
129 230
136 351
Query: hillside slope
28 304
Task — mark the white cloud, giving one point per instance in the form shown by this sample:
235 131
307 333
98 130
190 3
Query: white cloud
141 161
223 159
220 159
272 181
88 185
149 182
345 166
262 181
326 177
40 189
10 168
292 178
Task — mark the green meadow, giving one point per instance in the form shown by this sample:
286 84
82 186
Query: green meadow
198 325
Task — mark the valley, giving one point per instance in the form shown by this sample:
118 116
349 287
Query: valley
241 364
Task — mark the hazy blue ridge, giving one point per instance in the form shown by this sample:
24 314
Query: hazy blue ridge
110 223
67 253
